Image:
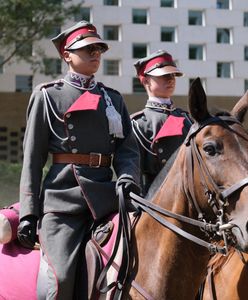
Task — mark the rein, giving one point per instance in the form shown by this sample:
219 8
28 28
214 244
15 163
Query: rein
153 211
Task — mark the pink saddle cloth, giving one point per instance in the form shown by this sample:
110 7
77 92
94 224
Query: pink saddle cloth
18 272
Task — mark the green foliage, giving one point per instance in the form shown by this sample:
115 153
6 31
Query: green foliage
23 22
9 181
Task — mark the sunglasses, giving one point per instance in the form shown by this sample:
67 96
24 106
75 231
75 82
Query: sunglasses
94 48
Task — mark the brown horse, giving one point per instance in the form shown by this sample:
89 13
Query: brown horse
208 181
204 196
227 277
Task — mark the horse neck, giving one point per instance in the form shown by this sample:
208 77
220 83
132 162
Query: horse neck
169 267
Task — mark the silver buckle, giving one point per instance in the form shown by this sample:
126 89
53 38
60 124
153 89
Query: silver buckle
92 156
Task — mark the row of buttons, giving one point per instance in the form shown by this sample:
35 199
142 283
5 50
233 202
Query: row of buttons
73 137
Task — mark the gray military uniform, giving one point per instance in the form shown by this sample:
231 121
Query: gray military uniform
155 153
71 194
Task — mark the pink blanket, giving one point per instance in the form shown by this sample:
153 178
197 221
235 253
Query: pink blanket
18 272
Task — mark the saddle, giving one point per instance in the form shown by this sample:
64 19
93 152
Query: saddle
98 252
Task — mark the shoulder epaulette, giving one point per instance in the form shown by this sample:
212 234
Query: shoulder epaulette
51 83
136 114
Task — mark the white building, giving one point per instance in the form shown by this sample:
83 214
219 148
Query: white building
208 39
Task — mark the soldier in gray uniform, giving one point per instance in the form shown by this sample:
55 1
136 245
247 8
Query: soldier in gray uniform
160 128
86 128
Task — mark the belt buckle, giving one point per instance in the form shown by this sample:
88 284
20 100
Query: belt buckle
91 162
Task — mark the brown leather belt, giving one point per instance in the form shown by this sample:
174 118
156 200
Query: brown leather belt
93 160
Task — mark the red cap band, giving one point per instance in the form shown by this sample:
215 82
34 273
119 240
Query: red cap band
155 61
74 34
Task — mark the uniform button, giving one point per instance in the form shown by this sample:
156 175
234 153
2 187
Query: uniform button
112 141
70 126
73 138
163 161
68 115
160 150
74 150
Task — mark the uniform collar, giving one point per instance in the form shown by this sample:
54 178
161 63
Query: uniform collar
80 81
166 101
161 104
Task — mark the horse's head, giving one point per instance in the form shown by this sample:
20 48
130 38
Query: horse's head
217 151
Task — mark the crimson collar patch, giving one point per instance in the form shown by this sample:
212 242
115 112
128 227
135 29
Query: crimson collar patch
171 127
86 101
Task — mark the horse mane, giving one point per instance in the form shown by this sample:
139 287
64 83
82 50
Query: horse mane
217 112
161 175
218 260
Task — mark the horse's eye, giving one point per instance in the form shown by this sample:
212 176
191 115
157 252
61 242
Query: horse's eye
210 149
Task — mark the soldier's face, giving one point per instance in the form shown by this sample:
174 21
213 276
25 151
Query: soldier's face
161 86
85 60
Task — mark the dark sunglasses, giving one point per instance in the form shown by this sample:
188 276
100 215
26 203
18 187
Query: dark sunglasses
94 48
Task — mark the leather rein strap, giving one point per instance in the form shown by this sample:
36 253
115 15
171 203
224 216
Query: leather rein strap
124 233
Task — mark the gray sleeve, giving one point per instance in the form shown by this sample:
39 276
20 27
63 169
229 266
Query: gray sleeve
35 152
127 158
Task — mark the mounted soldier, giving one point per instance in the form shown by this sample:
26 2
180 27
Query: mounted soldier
86 128
160 128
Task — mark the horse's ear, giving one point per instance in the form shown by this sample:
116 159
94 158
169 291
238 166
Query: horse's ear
198 101
241 107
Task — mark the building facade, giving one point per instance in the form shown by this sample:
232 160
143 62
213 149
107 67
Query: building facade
208 39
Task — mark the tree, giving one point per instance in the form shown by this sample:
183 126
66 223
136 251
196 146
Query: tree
23 22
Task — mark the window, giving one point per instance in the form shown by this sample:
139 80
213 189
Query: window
1 66
52 66
139 16
223 4
167 3
168 34
138 86
111 67
246 53
111 32
196 52
195 17
246 19
224 70
223 36
246 85
54 31
139 50
111 2
24 83
83 14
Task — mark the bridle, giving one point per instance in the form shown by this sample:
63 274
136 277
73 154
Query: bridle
217 199
217 196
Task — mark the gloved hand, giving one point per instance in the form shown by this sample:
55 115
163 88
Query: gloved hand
26 231
128 185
